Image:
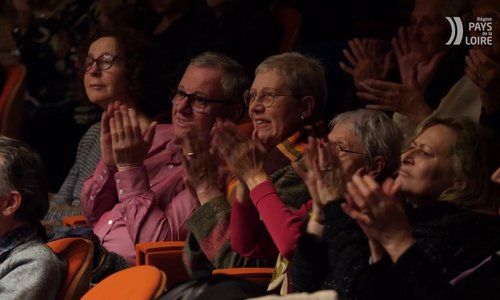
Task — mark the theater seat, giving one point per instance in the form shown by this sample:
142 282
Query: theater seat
261 276
166 256
78 254
137 283
12 100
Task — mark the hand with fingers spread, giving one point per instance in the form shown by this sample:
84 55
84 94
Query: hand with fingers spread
321 172
410 57
380 213
130 144
243 156
485 72
200 165
389 96
367 60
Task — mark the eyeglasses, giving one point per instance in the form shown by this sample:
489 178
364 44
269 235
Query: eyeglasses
198 103
341 148
104 62
266 98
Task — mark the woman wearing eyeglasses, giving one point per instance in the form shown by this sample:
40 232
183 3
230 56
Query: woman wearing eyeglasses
286 97
262 225
129 163
116 65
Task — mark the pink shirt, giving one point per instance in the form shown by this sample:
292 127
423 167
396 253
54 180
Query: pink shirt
143 204
262 228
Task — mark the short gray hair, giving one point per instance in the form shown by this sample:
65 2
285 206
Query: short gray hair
234 81
22 170
304 76
380 136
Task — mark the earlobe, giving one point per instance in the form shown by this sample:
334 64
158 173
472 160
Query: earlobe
378 167
308 104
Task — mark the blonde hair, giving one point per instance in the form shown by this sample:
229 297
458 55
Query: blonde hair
471 158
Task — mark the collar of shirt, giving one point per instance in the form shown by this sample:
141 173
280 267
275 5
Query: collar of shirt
15 238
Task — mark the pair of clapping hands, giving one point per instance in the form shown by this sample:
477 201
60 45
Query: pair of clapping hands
376 208
370 67
124 143
207 157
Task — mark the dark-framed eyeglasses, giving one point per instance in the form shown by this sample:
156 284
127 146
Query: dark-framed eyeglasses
264 97
341 148
104 62
197 103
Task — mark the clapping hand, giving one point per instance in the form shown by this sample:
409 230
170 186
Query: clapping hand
410 57
244 157
485 72
321 172
380 213
405 99
200 165
122 141
367 60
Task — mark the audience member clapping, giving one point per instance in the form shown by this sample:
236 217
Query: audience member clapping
361 139
119 65
286 97
444 173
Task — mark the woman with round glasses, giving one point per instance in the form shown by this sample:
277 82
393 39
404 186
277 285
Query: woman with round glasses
120 75
361 139
118 65
291 89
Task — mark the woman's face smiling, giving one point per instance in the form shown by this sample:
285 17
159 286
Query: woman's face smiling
274 124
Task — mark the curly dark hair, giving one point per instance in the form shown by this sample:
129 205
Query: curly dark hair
146 71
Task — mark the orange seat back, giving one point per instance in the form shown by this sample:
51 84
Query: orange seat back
140 282
78 254
166 256
12 101
261 276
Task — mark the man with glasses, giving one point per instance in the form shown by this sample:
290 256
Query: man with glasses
144 199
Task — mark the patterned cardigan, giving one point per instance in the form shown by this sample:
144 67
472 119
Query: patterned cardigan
208 245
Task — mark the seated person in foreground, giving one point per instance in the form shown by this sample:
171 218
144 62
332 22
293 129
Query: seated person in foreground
28 268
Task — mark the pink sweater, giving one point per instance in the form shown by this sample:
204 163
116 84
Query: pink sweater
262 228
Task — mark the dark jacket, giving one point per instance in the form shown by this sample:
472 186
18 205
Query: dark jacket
449 240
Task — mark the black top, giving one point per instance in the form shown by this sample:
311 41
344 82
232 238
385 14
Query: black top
449 240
